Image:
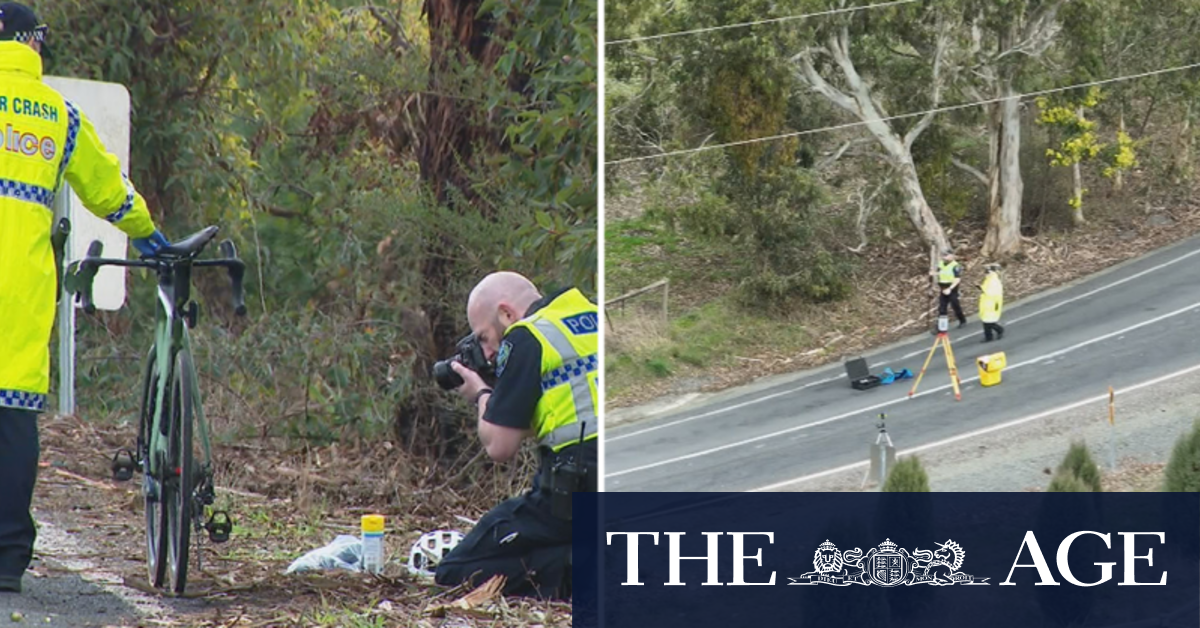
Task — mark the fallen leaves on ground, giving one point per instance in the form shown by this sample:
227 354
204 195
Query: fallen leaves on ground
477 602
241 583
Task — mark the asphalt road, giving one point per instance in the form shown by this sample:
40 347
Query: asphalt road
63 600
65 591
1130 327
65 587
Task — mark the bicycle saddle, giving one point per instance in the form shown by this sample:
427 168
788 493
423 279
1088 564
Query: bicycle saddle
191 245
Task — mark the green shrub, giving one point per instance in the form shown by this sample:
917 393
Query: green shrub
1079 462
908 521
908 476
1183 469
1066 482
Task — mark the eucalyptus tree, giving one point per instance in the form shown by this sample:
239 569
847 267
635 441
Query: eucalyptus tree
1004 41
873 63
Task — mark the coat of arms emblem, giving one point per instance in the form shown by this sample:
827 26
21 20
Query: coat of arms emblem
888 565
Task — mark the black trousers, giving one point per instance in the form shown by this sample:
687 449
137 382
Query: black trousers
521 539
19 451
951 300
988 328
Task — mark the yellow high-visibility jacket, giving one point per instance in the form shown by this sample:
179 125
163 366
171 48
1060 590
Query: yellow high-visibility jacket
568 329
991 298
44 139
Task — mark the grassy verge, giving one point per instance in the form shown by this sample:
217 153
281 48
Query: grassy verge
716 334
710 338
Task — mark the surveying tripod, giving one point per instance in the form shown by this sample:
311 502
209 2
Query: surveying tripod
942 340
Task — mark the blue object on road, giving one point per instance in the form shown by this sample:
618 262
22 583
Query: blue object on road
888 376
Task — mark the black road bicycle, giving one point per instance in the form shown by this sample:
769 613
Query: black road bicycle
177 481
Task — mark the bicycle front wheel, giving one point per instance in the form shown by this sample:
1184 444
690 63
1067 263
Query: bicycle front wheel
152 485
180 469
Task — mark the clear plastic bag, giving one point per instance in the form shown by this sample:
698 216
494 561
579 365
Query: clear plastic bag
344 552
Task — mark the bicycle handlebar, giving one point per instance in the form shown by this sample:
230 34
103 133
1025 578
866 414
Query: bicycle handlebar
237 271
83 272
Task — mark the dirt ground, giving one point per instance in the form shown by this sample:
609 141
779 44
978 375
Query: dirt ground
299 504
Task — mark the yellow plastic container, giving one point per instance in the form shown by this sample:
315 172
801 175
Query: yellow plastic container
990 367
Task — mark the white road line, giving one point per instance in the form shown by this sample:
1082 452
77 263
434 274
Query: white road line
986 430
885 404
705 415
609 439
925 447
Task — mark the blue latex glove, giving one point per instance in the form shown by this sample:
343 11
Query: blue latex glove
152 244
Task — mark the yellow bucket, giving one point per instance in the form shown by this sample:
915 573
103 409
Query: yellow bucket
990 367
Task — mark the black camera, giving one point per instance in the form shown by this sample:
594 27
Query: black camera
469 353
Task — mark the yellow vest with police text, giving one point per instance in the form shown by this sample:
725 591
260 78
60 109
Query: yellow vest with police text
946 272
43 140
568 331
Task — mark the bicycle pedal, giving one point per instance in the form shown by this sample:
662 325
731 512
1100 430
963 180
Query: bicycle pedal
219 526
123 467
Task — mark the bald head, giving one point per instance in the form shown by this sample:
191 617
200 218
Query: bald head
496 302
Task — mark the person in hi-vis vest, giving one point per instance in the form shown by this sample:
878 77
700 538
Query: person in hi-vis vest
44 140
545 350
991 303
949 276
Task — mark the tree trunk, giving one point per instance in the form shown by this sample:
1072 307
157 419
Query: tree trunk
857 100
1119 177
1077 184
915 204
995 126
917 207
452 129
451 134
1183 156
1004 222
1077 205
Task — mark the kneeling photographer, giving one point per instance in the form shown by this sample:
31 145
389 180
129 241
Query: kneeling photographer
545 358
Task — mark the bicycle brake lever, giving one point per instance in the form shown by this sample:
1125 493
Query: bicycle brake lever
87 274
237 271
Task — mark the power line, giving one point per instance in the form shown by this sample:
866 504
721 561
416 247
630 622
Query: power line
902 116
773 20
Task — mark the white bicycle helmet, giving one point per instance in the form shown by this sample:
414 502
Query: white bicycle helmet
430 549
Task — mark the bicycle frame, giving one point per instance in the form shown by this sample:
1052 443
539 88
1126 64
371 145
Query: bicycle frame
177 487
171 332
170 337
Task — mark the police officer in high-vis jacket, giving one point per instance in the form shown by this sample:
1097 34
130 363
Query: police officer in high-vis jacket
949 277
43 140
545 351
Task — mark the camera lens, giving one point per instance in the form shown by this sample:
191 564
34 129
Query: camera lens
445 375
